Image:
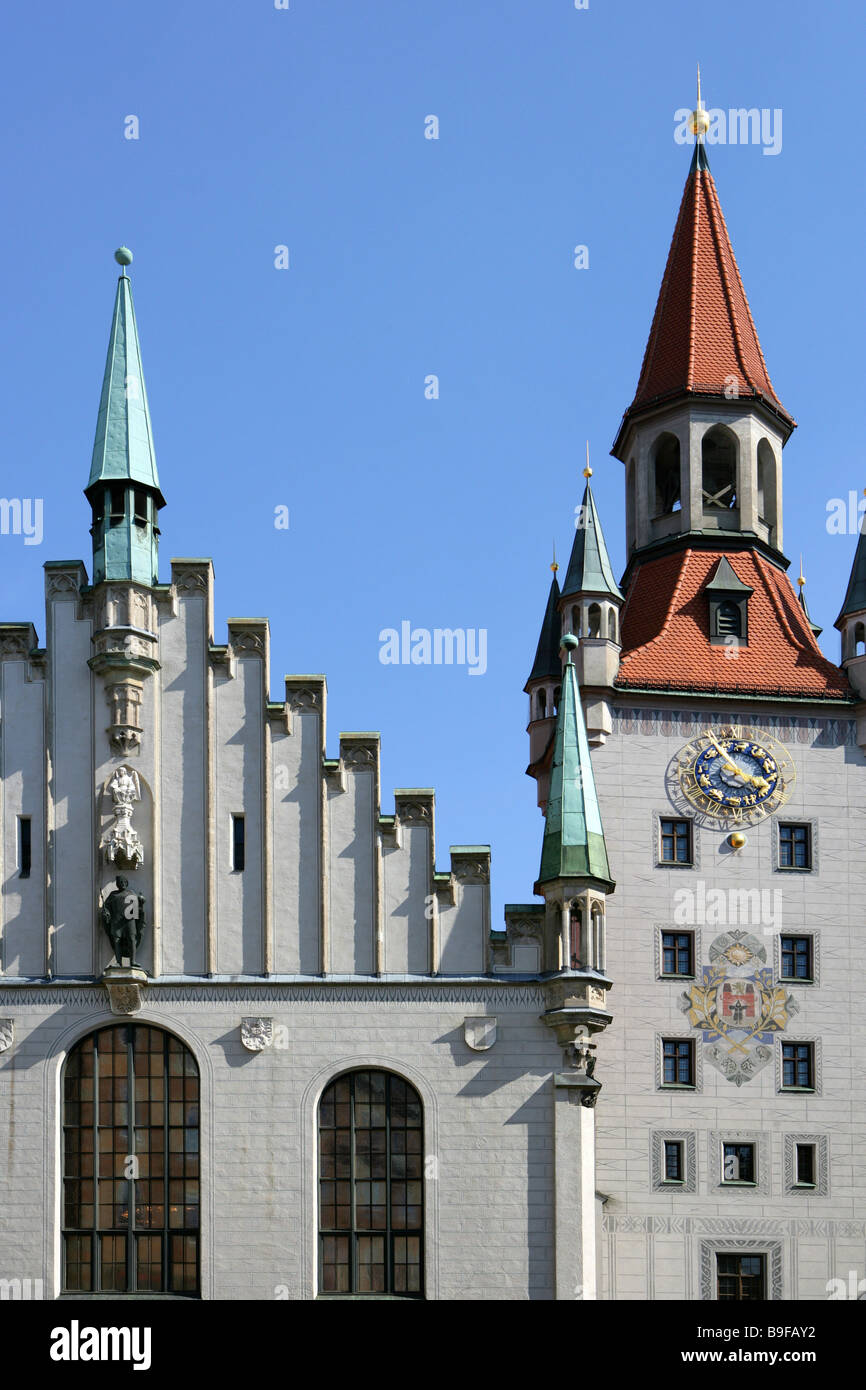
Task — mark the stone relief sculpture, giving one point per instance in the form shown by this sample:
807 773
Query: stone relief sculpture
121 841
123 920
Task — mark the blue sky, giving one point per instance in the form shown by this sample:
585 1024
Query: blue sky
304 387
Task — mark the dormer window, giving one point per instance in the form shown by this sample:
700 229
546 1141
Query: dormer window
728 600
729 620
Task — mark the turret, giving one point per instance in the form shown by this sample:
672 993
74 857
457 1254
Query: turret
851 622
123 487
574 878
590 606
543 689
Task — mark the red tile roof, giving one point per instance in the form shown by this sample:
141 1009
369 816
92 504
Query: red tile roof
702 336
665 632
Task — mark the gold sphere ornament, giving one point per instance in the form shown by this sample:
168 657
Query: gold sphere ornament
736 841
699 122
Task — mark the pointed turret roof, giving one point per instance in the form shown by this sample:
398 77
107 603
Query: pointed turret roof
855 595
123 449
589 569
573 844
703 337
547 659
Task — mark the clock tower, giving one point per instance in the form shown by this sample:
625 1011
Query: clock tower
727 756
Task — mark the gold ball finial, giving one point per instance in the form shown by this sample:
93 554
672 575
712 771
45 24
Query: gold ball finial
801 578
587 472
699 121
554 566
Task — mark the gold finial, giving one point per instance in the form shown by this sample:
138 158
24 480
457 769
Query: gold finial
699 121
801 578
587 472
554 566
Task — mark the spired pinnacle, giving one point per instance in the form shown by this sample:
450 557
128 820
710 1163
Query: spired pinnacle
699 121
123 256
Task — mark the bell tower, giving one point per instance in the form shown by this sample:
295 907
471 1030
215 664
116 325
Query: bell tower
702 439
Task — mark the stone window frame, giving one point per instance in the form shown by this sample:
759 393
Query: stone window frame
671 1036
812 826
660 929
695 861
716 1139
817 1087
688 1139
730 1245
815 978
821 1144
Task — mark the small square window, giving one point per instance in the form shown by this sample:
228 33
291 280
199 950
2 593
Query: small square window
796 958
795 846
675 841
678 1062
798 1066
805 1165
674 1170
678 953
738 1163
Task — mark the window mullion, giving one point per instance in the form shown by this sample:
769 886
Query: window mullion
389 1246
130 1151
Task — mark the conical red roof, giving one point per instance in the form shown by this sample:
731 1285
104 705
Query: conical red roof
703 339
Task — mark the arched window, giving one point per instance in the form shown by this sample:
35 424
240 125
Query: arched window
729 621
556 694
860 640
541 704
594 619
766 483
131 1164
630 509
719 469
371 1181
611 624
575 620
575 920
666 475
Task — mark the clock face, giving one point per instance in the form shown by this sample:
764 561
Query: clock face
736 775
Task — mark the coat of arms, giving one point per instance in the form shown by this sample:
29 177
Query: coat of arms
737 1006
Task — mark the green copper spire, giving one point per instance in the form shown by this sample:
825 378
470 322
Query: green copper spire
123 487
855 595
548 662
573 844
589 569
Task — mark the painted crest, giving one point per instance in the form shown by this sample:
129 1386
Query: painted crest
479 1032
7 1032
257 1033
737 1006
